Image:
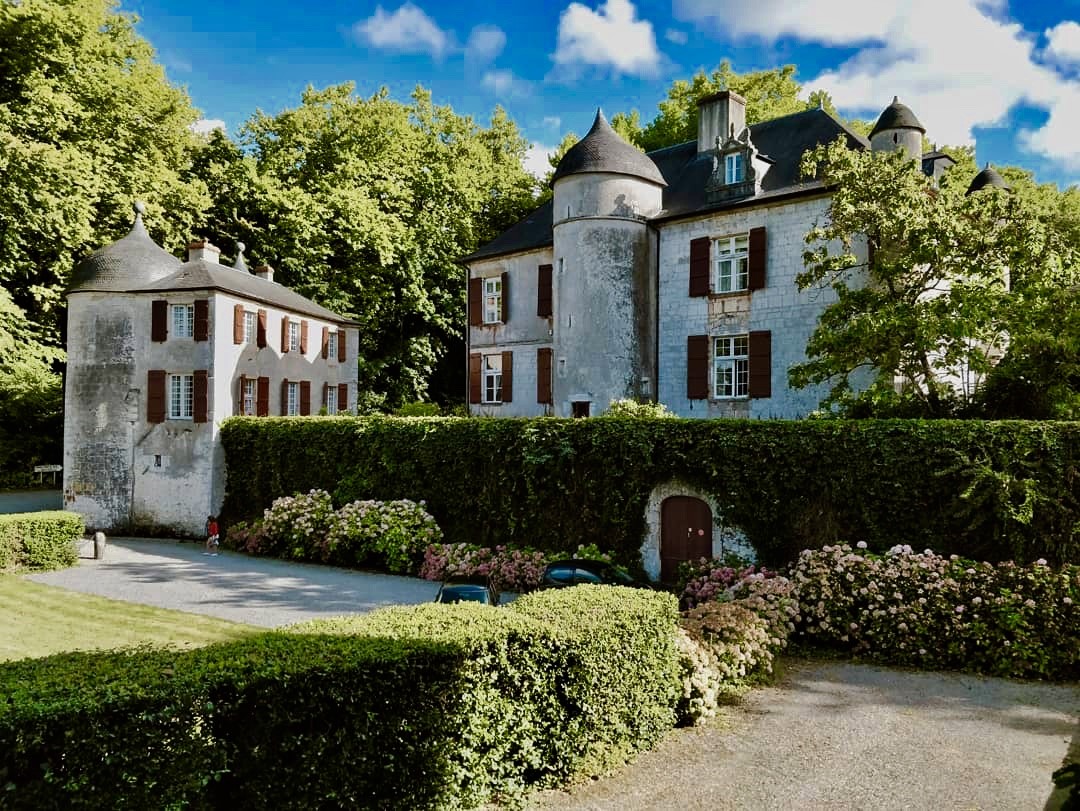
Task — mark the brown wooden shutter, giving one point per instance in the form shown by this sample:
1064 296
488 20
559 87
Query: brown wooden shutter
201 328
505 316
260 332
341 336
305 398
325 395
697 367
155 395
325 344
475 362
543 291
239 409
284 334
303 337
760 366
476 302
543 375
262 397
159 320
285 397
200 407
756 262
238 323
507 376
342 397
699 266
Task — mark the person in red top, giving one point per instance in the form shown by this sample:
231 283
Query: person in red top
211 536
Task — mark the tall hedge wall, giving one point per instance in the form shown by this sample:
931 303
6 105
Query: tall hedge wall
988 490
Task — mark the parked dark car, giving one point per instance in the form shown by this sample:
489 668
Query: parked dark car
564 573
467 590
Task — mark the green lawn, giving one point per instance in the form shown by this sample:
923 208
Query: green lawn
39 620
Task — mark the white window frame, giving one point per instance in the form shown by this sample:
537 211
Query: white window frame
181 396
294 336
491 379
183 320
331 345
292 399
249 397
731 263
251 326
734 168
493 294
331 399
731 367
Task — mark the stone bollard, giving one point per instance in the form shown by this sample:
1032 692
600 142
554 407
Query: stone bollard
99 545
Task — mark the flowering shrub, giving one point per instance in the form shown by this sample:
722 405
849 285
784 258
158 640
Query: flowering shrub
711 578
248 538
404 531
590 551
507 569
292 523
933 612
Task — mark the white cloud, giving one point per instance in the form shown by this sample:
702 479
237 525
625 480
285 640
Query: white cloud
485 43
676 36
536 159
957 63
407 30
504 83
552 121
609 37
1063 43
205 126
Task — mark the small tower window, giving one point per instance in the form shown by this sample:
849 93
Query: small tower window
733 168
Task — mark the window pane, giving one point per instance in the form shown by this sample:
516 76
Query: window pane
331 400
331 346
741 345
742 378
250 327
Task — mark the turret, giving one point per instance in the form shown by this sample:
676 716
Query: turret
898 128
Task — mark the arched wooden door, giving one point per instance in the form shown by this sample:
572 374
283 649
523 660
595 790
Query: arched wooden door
685 533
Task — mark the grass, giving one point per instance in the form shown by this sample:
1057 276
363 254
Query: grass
40 620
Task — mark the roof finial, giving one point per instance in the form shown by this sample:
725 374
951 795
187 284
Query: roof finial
987 165
140 209
240 264
895 99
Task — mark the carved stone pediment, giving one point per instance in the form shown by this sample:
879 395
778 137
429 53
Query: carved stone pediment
717 189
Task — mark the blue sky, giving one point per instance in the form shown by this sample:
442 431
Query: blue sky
1003 76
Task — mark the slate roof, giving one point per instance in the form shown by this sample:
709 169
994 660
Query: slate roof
897 116
134 260
781 140
603 150
987 177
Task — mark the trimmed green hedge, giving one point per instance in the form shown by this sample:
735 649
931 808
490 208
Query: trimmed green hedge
985 490
41 540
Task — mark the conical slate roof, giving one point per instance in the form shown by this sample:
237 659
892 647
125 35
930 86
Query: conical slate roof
897 116
131 262
987 177
603 150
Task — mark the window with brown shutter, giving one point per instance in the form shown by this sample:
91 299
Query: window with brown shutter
756 259
262 397
699 266
341 337
325 345
303 337
507 377
543 291
159 320
760 364
200 406
155 395
285 398
697 367
284 334
543 375
325 395
305 398
260 334
238 323
476 302
342 398
201 331
505 298
238 405
475 362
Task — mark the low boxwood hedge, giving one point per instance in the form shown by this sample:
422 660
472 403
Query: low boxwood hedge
40 540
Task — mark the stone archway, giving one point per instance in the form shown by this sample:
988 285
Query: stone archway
686 525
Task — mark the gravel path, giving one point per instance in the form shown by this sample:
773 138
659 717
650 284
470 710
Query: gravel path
841 736
257 591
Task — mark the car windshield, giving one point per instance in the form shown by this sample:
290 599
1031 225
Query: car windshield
462 594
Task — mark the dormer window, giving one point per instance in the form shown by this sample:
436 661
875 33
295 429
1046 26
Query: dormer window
733 168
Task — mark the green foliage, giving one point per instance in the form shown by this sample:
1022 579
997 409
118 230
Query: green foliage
559 483
635 410
417 409
41 540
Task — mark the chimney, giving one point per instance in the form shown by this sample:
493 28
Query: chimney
265 272
202 249
716 116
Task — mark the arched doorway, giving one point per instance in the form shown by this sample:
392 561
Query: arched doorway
685 533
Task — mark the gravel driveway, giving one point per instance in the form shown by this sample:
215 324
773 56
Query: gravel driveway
841 736
258 591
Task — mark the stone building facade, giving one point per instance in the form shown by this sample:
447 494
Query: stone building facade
160 352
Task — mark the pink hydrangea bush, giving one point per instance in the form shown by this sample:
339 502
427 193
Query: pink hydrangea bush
934 612
508 569
392 534
249 538
292 523
710 578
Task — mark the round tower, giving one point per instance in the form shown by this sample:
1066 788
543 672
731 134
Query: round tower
605 287
988 177
898 128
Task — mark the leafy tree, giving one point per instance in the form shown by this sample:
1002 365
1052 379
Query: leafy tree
366 205
934 295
